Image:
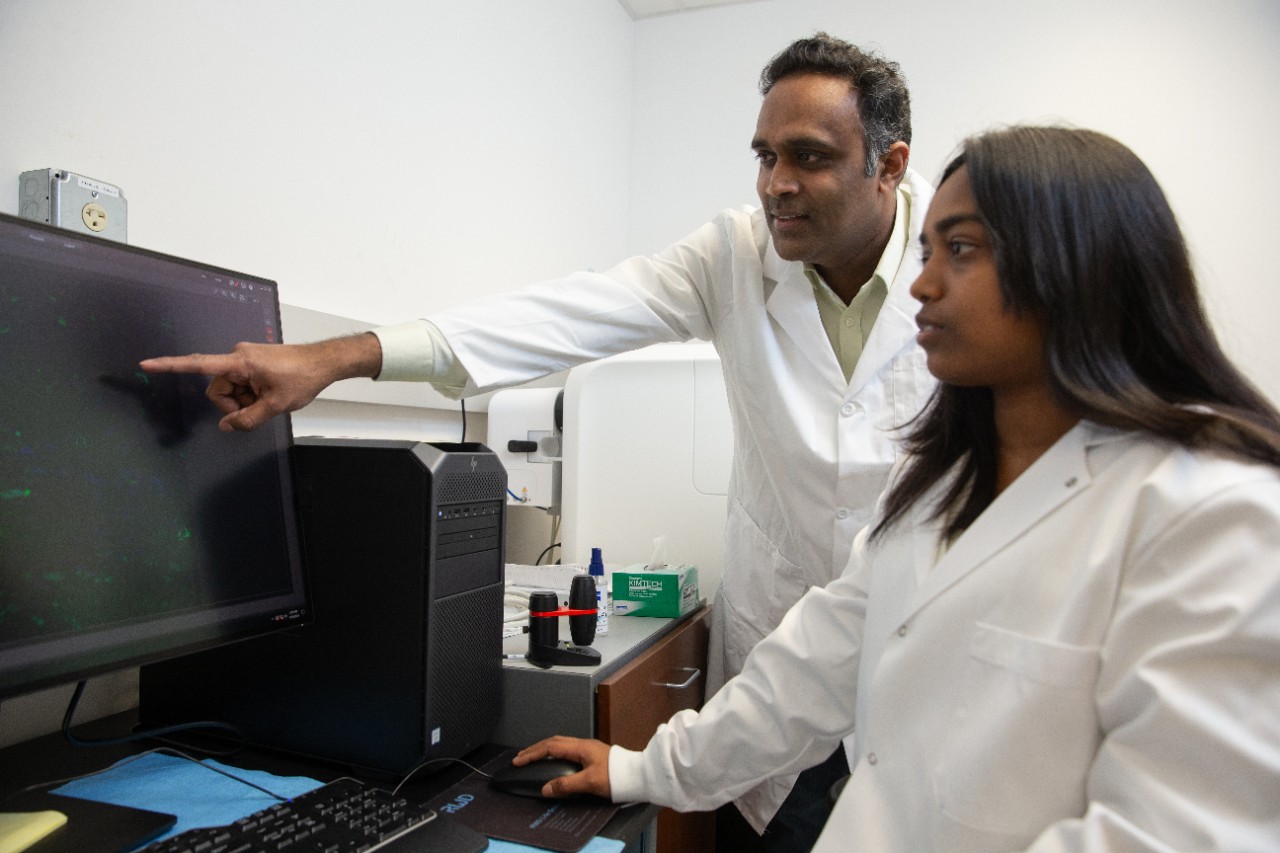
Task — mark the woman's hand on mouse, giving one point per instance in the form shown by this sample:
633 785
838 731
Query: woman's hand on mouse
593 755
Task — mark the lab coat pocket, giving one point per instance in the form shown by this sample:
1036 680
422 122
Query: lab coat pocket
1023 733
760 589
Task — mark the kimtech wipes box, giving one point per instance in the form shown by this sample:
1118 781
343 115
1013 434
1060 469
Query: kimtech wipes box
638 591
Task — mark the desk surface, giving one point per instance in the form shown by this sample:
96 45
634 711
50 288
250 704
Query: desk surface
628 636
51 757
565 705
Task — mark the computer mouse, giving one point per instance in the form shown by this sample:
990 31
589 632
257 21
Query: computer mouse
527 781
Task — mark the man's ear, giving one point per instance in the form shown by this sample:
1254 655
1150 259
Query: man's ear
893 164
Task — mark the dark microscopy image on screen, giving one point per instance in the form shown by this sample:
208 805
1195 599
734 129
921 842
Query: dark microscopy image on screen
114 484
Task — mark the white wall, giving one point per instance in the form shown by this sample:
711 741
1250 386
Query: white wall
386 158
374 158
1192 86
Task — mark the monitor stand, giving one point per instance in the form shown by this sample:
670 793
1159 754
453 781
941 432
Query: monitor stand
92 827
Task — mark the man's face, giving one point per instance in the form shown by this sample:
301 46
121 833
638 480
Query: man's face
821 207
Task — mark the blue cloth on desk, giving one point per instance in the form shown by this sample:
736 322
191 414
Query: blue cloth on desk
595 845
196 795
201 797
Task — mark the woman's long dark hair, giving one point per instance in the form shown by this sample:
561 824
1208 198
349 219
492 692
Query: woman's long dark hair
1084 237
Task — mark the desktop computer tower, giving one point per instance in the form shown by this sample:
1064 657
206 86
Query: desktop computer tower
402 661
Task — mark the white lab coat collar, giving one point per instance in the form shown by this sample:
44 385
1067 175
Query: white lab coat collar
792 306
1060 475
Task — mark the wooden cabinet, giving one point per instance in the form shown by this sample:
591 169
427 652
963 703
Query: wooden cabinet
632 702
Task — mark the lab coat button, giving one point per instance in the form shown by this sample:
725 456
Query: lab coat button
871 758
902 630
842 513
849 409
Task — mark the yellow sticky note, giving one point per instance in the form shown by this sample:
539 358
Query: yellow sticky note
19 830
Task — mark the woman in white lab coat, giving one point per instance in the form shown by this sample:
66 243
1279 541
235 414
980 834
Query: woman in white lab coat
1063 630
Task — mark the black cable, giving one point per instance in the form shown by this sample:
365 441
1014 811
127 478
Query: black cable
138 735
463 403
163 750
411 773
546 551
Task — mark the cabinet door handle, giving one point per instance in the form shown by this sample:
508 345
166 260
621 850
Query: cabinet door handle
694 675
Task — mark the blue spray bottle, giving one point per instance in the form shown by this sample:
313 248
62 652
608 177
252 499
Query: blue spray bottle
604 598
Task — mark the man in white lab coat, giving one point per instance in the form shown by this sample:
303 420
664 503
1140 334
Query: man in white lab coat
806 301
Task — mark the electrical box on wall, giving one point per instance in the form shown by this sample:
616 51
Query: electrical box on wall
524 432
74 202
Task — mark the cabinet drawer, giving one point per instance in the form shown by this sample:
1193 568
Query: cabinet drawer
669 677
635 700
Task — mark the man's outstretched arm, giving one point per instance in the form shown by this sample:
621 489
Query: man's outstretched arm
255 382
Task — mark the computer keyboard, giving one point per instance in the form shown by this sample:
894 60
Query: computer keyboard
343 816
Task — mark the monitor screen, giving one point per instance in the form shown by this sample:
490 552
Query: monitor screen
131 528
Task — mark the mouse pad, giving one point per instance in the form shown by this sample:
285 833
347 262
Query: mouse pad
561 825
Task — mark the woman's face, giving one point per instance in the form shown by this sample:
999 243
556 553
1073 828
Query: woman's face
969 335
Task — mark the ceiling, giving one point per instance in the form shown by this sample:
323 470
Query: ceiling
638 9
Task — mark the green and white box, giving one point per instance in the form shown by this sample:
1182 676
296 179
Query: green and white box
638 591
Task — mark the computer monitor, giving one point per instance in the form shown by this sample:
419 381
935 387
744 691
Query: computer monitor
131 528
